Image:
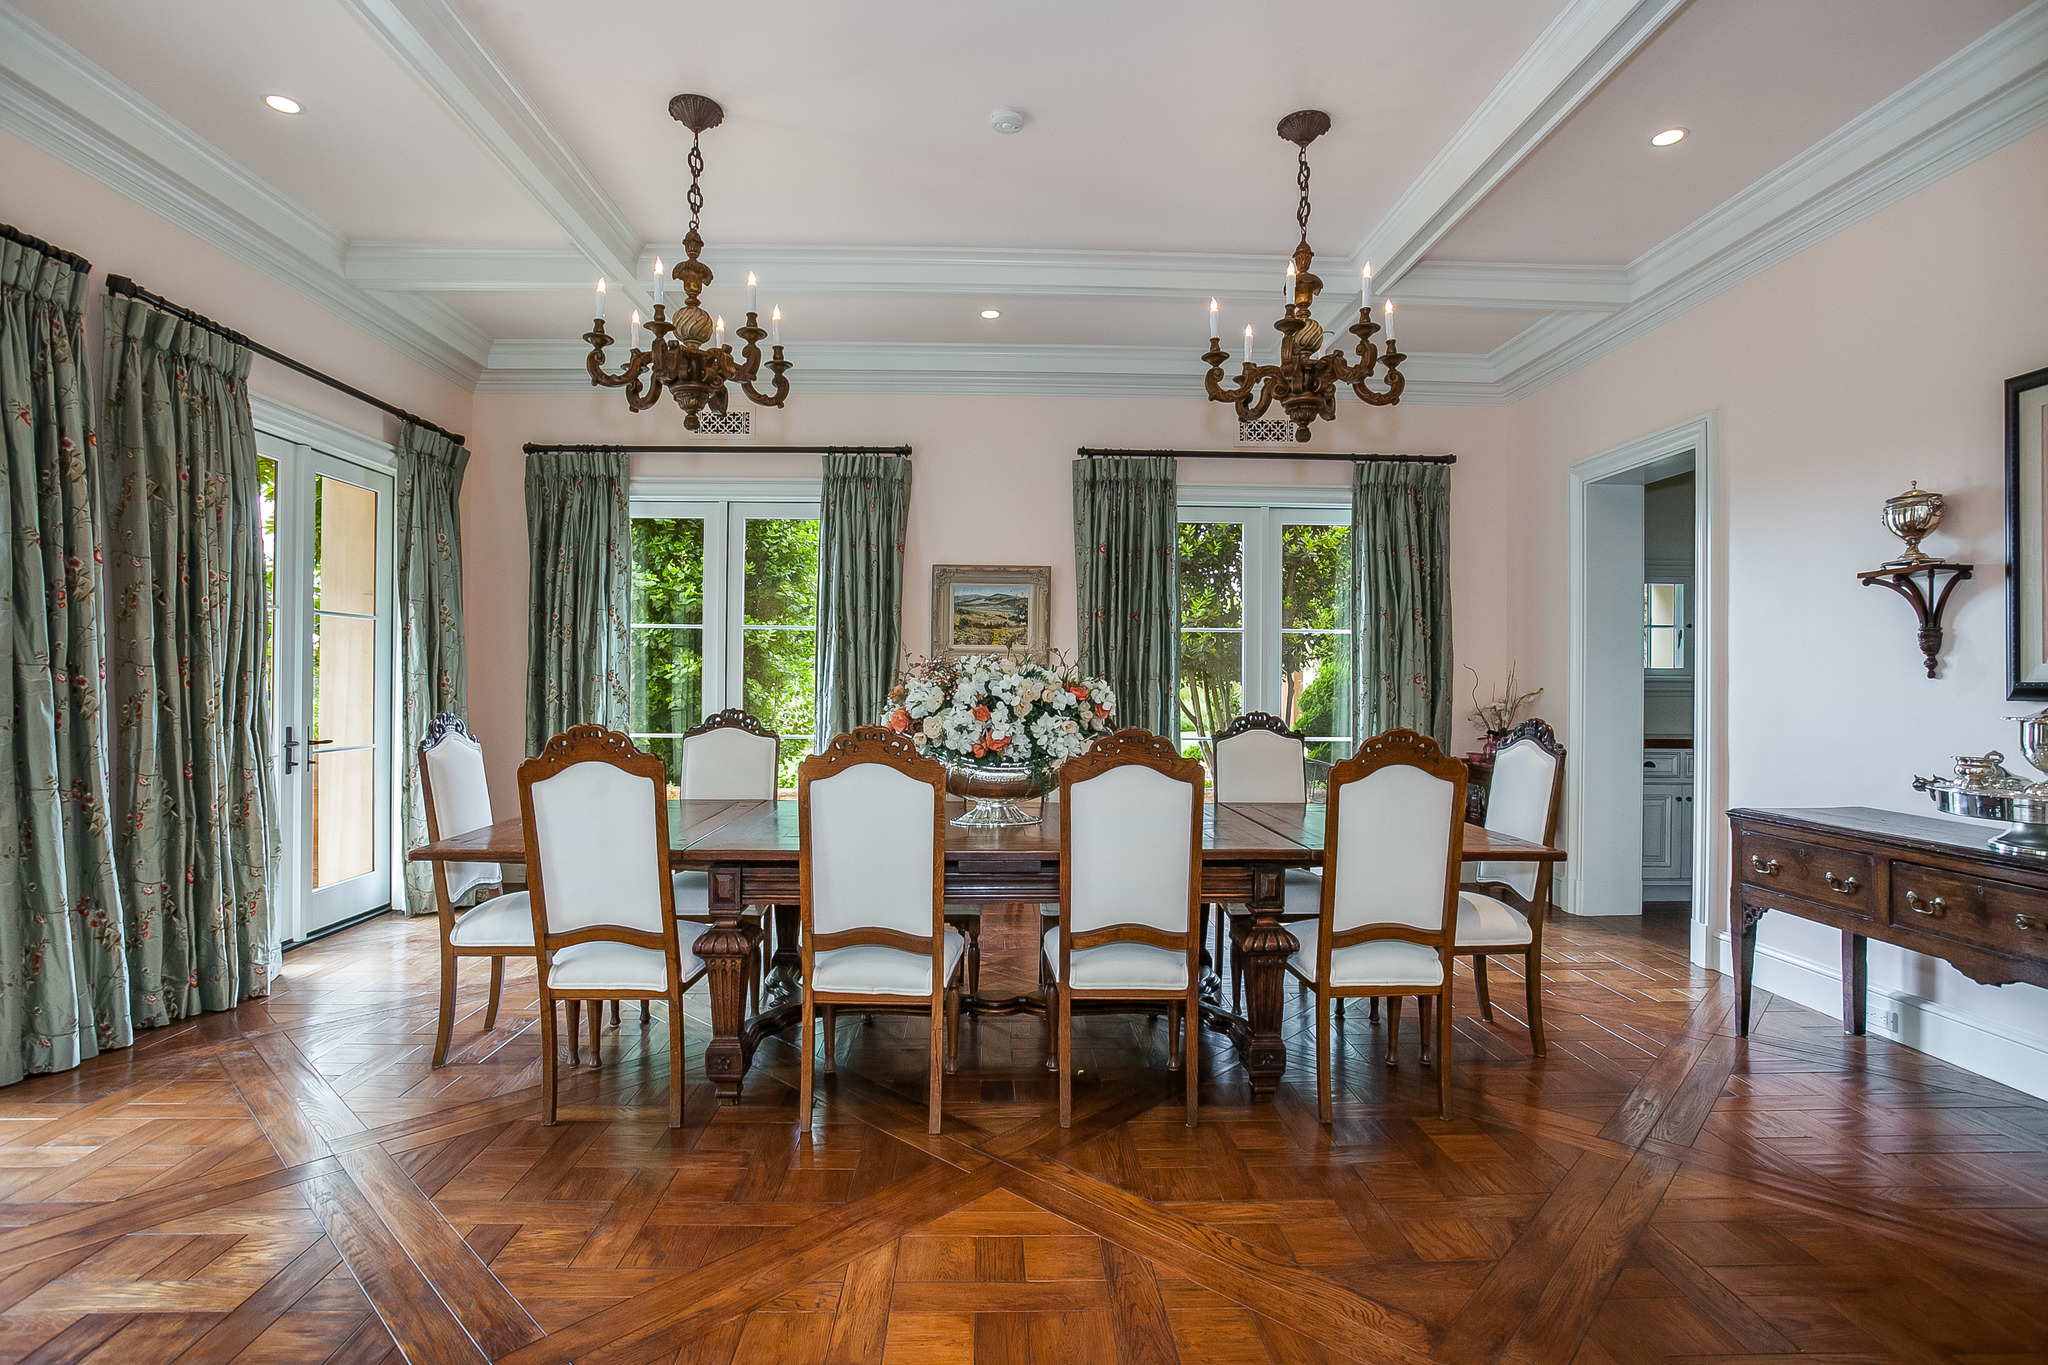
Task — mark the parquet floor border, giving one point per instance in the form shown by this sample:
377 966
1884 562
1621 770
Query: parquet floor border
291 1181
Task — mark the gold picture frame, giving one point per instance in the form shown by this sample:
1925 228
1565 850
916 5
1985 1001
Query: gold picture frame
991 609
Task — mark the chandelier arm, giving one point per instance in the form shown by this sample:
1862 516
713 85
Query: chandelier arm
1268 384
1247 379
773 399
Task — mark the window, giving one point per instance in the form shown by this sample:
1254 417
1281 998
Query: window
725 613
1265 621
1664 626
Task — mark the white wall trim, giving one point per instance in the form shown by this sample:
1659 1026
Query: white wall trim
689 488
1980 1046
1263 494
1698 437
303 428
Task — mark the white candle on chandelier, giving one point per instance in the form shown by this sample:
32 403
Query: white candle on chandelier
635 343
775 326
1365 289
1247 343
657 281
599 315
1215 323
1288 297
1390 324
718 332
753 305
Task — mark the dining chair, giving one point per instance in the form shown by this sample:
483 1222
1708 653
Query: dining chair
498 925
730 757
871 820
595 810
1391 847
1503 904
1258 758
1130 883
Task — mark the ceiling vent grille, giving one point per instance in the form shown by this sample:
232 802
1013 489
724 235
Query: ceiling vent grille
737 423
1266 431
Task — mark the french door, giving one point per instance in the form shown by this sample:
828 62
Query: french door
329 552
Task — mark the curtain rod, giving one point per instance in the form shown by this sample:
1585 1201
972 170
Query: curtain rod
1092 453
901 452
122 285
70 258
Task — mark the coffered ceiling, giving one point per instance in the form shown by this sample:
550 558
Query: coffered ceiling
464 170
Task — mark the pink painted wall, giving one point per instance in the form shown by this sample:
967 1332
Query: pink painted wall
1872 359
993 485
48 199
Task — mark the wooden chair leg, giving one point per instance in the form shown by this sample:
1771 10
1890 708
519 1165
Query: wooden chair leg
831 1039
676 1069
1479 976
497 987
596 1022
934 1079
1192 1052
1066 1041
1324 1112
1425 1022
647 1011
446 1024
1173 1036
547 1060
1532 974
575 1032
615 1014
1393 1030
1443 1053
1052 1030
952 1030
1372 1008
810 1057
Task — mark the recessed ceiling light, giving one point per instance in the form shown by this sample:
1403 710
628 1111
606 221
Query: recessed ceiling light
1668 137
284 104
991 313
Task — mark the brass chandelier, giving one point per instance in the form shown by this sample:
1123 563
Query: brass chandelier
1304 383
677 358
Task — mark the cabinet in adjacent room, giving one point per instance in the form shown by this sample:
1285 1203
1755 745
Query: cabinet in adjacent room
1667 824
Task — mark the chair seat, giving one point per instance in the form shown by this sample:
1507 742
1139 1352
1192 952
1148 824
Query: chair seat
1382 962
501 922
1484 922
1121 966
1301 894
600 966
693 893
871 969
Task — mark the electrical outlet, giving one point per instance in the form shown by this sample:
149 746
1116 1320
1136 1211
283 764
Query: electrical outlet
1888 1020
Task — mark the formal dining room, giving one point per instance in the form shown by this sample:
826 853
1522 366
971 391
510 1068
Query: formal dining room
1098 684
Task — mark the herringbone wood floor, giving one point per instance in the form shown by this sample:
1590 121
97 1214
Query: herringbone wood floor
292 1182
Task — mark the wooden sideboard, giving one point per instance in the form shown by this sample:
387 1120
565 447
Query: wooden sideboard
1918 881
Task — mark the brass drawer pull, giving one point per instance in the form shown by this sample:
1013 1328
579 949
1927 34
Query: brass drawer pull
1847 887
2028 922
1936 906
1762 868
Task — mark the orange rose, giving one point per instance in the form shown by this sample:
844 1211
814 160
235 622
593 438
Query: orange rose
1103 712
996 746
979 752
899 721
981 713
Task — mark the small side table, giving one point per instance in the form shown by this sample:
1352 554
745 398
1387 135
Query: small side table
1478 783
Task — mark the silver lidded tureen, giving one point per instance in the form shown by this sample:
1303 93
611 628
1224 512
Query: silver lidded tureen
1983 789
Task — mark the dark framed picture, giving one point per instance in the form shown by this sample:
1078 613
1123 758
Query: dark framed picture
2026 535
990 609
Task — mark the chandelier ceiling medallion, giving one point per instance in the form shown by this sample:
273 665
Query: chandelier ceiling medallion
677 357
1304 383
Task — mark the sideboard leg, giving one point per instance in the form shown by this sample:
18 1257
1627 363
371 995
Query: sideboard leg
1855 981
1745 962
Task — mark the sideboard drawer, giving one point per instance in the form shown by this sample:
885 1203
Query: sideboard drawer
1996 915
1840 878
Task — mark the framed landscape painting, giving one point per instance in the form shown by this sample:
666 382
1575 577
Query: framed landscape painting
2026 534
985 609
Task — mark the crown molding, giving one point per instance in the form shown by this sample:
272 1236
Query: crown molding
1570 59
68 107
1489 284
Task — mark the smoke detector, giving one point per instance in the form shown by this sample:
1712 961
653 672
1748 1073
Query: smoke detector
1006 120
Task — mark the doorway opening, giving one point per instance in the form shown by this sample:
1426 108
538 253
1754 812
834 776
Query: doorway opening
1638 807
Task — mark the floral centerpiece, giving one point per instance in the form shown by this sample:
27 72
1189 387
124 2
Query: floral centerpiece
1003 725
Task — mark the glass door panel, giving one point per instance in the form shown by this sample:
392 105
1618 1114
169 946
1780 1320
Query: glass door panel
1211 630
778 586
668 632
1314 695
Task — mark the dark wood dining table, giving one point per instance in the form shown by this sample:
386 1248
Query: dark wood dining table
749 849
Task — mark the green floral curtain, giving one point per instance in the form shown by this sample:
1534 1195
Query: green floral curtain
579 531
1401 581
63 971
1127 579
860 588
195 840
429 618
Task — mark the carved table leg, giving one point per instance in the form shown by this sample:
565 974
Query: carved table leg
1746 918
1264 949
727 949
1855 980
786 969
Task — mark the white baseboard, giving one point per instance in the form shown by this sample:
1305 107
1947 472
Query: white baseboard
1977 1045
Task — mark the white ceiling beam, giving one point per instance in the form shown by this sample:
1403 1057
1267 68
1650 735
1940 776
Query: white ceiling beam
1569 60
433 42
1485 284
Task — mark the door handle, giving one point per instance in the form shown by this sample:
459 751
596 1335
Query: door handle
291 747
1847 886
315 744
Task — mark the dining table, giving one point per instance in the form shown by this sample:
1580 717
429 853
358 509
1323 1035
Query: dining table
749 849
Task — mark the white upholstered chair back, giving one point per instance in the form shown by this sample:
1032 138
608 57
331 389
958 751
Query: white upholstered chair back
871 833
1261 765
601 865
728 763
1518 803
1129 847
462 802
1393 830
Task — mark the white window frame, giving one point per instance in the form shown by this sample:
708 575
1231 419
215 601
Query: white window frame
724 506
1260 511
1677 679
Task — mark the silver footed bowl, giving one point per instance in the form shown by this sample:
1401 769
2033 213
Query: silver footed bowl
993 794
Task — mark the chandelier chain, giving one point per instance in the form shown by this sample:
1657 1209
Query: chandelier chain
696 170
1301 214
